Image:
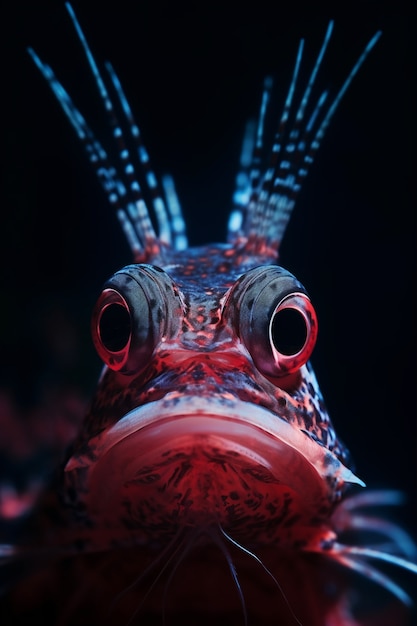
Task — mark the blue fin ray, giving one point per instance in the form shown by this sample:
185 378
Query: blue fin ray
122 186
265 196
274 192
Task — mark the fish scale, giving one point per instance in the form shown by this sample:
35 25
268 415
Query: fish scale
208 427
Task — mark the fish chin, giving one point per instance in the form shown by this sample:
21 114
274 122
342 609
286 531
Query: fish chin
192 462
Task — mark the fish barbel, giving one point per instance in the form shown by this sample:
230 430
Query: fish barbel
207 482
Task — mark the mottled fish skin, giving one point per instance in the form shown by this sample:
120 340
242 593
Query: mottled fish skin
207 482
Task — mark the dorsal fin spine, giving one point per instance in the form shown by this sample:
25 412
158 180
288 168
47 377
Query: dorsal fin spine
274 193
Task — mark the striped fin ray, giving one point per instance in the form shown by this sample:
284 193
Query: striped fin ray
112 185
122 186
269 209
287 187
175 213
246 196
281 171
249 175
255 172
162 216
259 212
242 193
141 218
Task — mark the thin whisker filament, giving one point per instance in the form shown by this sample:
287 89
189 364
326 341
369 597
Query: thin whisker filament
233 572
270 574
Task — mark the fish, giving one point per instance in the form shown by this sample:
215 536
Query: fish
207 482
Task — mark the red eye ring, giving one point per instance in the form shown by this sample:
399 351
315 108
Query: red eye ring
115 326
292 333
112 329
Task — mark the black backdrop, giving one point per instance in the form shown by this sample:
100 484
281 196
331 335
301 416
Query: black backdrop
193 75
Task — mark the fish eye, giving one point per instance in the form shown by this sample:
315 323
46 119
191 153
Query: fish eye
276 320
130 317
112 329
115 327
292 333
288 331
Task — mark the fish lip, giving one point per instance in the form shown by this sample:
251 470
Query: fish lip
217 419
191 462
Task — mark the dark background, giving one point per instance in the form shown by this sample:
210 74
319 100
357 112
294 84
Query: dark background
193 75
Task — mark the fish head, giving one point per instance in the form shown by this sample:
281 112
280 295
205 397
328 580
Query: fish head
208 413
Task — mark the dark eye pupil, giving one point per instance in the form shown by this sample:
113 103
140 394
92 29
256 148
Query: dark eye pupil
115 327
289 331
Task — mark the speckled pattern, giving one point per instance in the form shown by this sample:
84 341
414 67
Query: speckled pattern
202 355
208 427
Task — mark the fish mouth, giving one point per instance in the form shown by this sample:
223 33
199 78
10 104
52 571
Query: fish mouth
193 461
